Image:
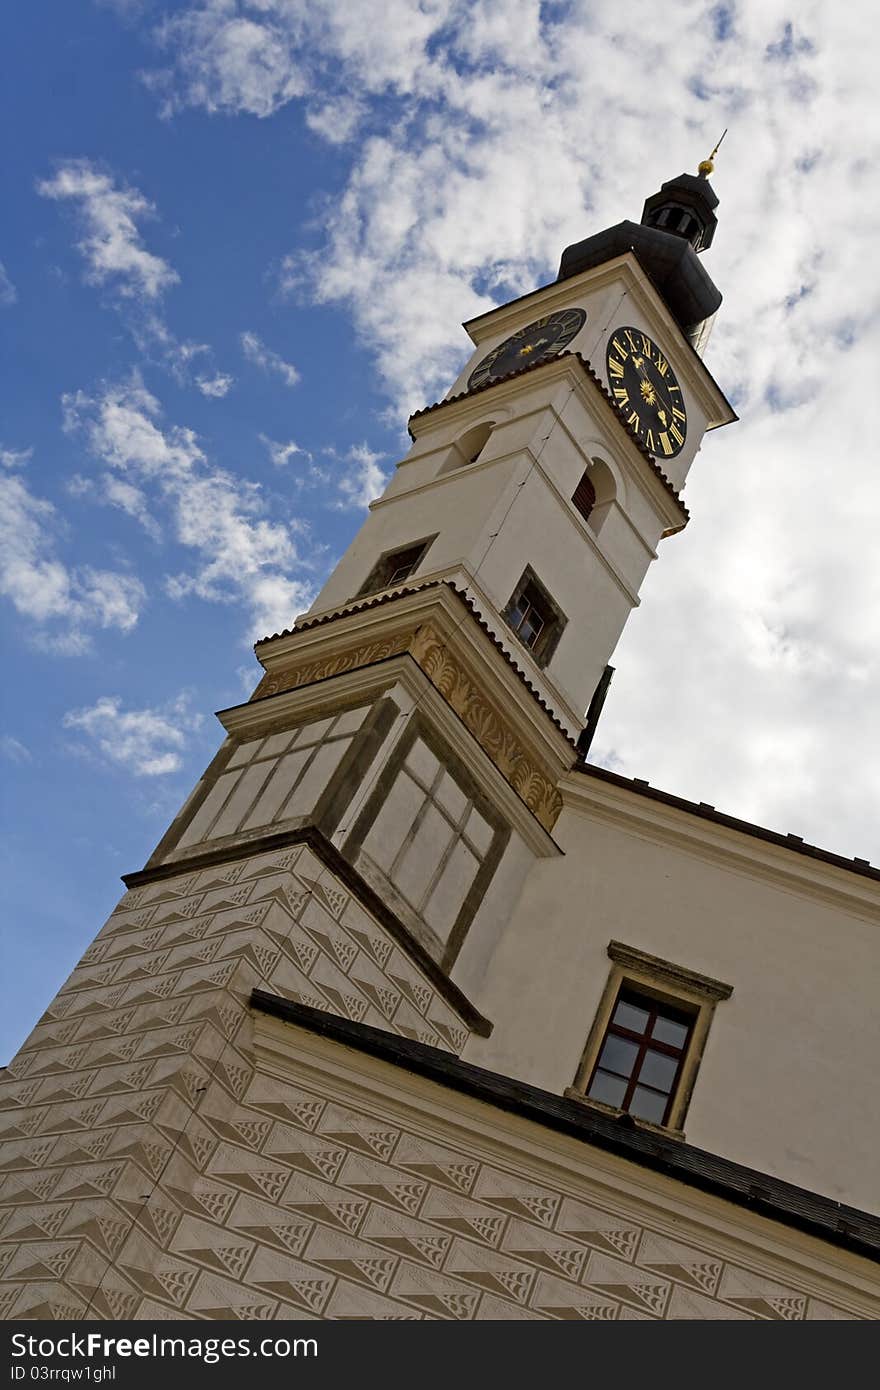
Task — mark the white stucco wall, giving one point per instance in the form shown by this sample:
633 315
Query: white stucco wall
787 1083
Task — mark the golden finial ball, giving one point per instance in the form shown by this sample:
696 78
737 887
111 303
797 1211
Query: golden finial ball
705 167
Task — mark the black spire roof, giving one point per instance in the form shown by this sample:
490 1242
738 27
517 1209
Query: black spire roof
678 222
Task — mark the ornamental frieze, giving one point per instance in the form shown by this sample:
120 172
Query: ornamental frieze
430 651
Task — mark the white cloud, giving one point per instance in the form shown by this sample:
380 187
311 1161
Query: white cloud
215 386
145 742
241 555
112 247
268 361
14 750
8 292
14 458
361 480
229 62
62 603
281 454
335 121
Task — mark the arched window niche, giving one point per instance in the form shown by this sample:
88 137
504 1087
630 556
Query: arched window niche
595 493
468 447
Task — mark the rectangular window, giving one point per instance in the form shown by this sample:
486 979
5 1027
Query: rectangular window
647 1039
584 496
641 1057
532 614
395 567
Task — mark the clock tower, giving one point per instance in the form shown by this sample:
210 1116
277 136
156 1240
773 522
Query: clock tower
543 483
404 1015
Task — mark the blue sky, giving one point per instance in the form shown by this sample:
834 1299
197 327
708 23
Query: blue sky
239 242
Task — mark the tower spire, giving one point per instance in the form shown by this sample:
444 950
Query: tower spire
707 166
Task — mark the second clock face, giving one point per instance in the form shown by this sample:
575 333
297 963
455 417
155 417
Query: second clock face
543 338
646 391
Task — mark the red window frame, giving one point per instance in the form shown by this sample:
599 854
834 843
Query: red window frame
645 1042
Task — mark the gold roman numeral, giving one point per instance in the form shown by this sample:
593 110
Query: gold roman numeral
662 365
615 367
633 420
649 440
618 347
622 394
633 345
676 434
678 414
664 440
646 347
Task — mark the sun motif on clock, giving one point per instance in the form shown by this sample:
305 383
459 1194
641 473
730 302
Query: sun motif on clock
646 391
535 343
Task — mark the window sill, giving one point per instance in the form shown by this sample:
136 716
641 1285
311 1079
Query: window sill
613 1112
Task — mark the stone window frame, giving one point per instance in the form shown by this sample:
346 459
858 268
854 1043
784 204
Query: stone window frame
444 953
554 620
674 985
381 575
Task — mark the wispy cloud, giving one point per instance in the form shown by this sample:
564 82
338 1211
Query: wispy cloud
14 750
145 742
112 246
281 454
215 386
256 352
8 292
62 603
14 458
241 555
361 480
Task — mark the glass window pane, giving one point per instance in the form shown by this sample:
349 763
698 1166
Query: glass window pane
518 612
611 1089
628 1016
658 1070
618 1055
450 796
669 1031
648 1105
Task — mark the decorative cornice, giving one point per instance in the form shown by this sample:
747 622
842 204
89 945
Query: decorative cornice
488 725
390 596
630 958
493 731
702 811
349 659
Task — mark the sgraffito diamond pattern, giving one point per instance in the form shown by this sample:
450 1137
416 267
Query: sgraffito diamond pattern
150 1169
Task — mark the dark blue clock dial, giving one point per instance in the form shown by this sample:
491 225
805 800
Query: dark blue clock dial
646 391
537 341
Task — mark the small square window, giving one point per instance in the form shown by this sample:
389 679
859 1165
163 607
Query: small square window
395 567
532 614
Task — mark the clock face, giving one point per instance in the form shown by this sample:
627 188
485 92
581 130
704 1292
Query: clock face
646 391
539 340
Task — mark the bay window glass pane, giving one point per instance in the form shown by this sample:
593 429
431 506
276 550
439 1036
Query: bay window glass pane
648 1105
618 1055
669 1031
611 1089
629 1016
658 1070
